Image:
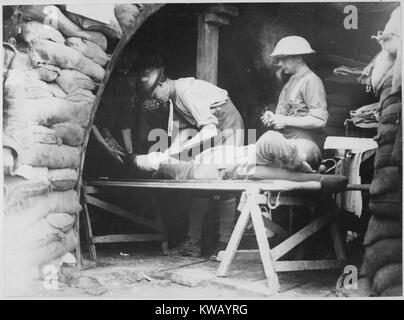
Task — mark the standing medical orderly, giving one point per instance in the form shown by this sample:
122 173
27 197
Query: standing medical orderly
301 111
208 109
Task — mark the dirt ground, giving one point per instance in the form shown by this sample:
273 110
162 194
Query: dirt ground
129 275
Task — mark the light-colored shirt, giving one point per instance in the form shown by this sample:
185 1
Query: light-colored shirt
194 99
303 95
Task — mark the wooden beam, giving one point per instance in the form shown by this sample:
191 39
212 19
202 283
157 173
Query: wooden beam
214 19
121 212
114 238
89 232
287 245
265 252
224 9
301 265
207 51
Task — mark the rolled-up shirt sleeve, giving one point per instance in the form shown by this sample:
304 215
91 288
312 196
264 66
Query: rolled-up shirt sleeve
315 98
199 108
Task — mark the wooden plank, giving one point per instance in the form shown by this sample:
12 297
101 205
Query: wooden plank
287 245
121 212
207 51
359 187
113 238
263 245
234 241
89 232
301 265
79 257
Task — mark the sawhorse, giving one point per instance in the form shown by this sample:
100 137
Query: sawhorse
250 208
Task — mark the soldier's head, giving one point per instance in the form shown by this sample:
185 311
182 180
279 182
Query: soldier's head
153 83
290 53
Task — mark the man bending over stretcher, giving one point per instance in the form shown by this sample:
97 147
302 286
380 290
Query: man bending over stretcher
235 162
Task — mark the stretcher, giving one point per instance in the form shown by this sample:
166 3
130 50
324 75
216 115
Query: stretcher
256 195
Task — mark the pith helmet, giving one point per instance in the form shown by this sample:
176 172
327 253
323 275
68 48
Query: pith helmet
148 80
292 45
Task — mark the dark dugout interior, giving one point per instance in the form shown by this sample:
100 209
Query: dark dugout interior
169 39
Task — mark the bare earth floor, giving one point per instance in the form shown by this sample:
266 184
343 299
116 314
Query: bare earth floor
153 276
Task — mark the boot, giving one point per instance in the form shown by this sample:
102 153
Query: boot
189 248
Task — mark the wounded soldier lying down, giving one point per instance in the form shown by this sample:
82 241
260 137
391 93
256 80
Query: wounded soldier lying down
225 162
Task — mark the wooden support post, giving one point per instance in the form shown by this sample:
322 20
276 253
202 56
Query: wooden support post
208 39
79 260
207 51
89 231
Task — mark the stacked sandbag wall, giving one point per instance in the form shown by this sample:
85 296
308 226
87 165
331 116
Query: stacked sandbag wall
382 263
52 69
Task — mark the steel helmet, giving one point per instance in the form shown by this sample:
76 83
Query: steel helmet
292 45
148 80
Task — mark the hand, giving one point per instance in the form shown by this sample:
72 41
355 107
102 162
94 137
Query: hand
279 121
173 150
266 118
151 161
117 155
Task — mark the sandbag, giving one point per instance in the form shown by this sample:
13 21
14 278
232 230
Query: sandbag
57 91
51 15
40 234
53 250
126 14
390 114
386 133
29 210
88 49
19 83
387 277
111 30
383 156
63 179
52 156
396 291
17 188
380 253
24 61
381 228
389 99
80 95
33 31
71 80
41 134
62 221
364 288
387 206
67 58
385 180
70 133
48 111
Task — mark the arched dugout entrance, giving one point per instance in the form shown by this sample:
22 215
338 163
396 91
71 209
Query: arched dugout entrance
238 53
